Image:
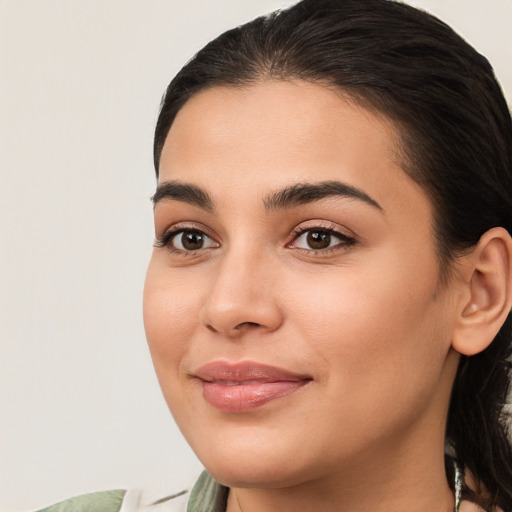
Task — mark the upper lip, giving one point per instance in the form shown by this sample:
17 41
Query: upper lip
245 371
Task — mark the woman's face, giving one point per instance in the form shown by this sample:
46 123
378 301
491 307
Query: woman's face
292 304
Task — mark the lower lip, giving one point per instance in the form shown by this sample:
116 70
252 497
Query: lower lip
245 397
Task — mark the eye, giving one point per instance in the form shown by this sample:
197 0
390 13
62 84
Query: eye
186 240
319 239
191 241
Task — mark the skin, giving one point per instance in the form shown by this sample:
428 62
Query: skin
368 321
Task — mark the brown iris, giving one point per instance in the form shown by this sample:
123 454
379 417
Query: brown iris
192 240
318 239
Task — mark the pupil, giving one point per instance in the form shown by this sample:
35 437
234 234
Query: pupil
318 239
192 241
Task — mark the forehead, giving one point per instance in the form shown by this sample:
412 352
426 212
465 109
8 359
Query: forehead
248 140
277 114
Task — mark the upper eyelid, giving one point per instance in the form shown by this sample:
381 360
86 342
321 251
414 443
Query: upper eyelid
347 238
187 226
301 228
333 232
344 244
323 225
170 232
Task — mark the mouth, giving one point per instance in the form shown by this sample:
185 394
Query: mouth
244 386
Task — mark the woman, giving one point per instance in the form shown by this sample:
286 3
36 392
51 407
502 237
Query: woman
327 304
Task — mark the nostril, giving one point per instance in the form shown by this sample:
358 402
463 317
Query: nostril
247 325
237 329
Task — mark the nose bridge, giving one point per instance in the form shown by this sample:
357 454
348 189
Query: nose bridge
242 293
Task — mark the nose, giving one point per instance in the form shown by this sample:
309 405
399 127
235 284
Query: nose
242 298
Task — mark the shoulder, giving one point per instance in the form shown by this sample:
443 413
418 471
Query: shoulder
104 501
182 495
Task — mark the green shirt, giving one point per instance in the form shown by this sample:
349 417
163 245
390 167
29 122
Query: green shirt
206 496
106 501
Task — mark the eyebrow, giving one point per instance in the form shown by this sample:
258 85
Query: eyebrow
303 193
179 191
288 197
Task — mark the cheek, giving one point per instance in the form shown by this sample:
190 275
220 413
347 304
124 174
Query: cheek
170 310
356 307
375 328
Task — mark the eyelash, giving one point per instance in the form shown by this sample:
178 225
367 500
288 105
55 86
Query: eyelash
345 240
165 241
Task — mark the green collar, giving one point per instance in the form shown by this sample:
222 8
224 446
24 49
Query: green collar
208 495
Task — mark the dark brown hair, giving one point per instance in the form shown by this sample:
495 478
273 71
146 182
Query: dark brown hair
457 142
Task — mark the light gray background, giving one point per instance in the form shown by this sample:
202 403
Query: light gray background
80 83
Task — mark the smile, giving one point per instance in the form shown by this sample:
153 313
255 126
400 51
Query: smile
245 386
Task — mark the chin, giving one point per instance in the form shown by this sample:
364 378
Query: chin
243 464
254 474
256 465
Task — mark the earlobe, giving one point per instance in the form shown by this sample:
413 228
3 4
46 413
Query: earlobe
489 287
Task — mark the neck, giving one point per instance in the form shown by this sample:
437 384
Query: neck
395 486
408 474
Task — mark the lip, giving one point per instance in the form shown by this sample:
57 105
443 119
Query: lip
247 385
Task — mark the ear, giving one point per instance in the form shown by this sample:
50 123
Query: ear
487 297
